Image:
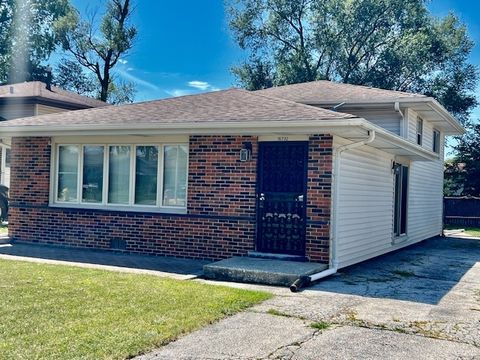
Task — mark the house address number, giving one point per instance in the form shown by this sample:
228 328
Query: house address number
283 138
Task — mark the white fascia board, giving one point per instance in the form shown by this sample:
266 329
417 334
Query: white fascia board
204 128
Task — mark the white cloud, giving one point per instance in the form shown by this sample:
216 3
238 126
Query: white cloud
196 85
121 61
200 85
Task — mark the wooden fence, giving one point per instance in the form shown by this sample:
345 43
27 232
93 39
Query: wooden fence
461 211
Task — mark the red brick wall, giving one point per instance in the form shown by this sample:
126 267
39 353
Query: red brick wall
221 205
319 190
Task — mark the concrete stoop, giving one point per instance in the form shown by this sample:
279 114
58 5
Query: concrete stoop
4 240
260 271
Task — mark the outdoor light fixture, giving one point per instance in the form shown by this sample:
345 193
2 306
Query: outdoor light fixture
246 152
396 167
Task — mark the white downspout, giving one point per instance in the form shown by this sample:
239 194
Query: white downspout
333 268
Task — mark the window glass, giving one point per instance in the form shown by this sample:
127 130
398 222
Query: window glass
67 173
436 141
175 175
119 175
92 185
8 157
419 131
146 168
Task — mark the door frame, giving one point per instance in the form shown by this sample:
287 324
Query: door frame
286 142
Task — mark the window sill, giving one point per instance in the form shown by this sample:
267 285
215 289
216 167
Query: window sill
139 209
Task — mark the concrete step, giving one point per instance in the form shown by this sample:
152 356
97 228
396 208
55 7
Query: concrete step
4 239
260 271
273 256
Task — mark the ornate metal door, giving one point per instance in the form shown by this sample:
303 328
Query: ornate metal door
281 197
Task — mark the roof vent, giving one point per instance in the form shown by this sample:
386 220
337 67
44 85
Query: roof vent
12 89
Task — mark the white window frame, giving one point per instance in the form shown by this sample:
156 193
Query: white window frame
159 207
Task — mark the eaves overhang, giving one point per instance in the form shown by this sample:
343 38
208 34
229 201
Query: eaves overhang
427 107
353 129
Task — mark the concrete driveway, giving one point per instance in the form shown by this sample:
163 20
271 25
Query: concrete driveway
422 302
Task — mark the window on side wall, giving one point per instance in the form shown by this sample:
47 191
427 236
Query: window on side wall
436 141
419 131
122 175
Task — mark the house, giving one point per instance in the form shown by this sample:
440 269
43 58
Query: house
32 99
325 172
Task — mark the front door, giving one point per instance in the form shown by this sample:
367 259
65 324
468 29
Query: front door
281 197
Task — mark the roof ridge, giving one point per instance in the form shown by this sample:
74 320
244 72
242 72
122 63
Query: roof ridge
346 84
370 87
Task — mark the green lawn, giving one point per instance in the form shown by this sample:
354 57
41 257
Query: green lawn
472 231
63 312
3 229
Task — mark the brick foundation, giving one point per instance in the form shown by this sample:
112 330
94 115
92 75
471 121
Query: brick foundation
220 221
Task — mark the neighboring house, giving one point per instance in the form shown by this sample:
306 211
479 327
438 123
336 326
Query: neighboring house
31 99
224 173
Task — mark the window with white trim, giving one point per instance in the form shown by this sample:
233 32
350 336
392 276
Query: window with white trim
122 175
419 131
436 141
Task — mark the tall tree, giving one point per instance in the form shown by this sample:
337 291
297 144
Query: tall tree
69 75
462 173
391 44
28 37
99 51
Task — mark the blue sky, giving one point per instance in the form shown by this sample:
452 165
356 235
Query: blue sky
184 46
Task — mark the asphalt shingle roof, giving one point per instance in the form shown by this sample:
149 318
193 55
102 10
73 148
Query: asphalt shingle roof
323 91
233 105
38 89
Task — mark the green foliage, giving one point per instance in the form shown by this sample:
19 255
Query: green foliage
462 173
121 92
320 325
62 312
28 37
391 44
70 76
100 51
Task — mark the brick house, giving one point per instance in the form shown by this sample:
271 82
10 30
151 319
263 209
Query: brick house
225 173
32 99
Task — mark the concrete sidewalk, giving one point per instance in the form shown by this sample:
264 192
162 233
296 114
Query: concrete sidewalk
176 268
422 302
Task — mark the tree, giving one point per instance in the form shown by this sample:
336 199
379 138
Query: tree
70 76
391 44
28 37
462 173
100 51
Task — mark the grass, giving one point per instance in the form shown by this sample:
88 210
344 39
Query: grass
3 229
320 325
472 231
62 312
276 312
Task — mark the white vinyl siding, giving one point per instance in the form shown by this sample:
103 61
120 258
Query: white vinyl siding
14 111
425 210
44 109
364 214
387 119
365 204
